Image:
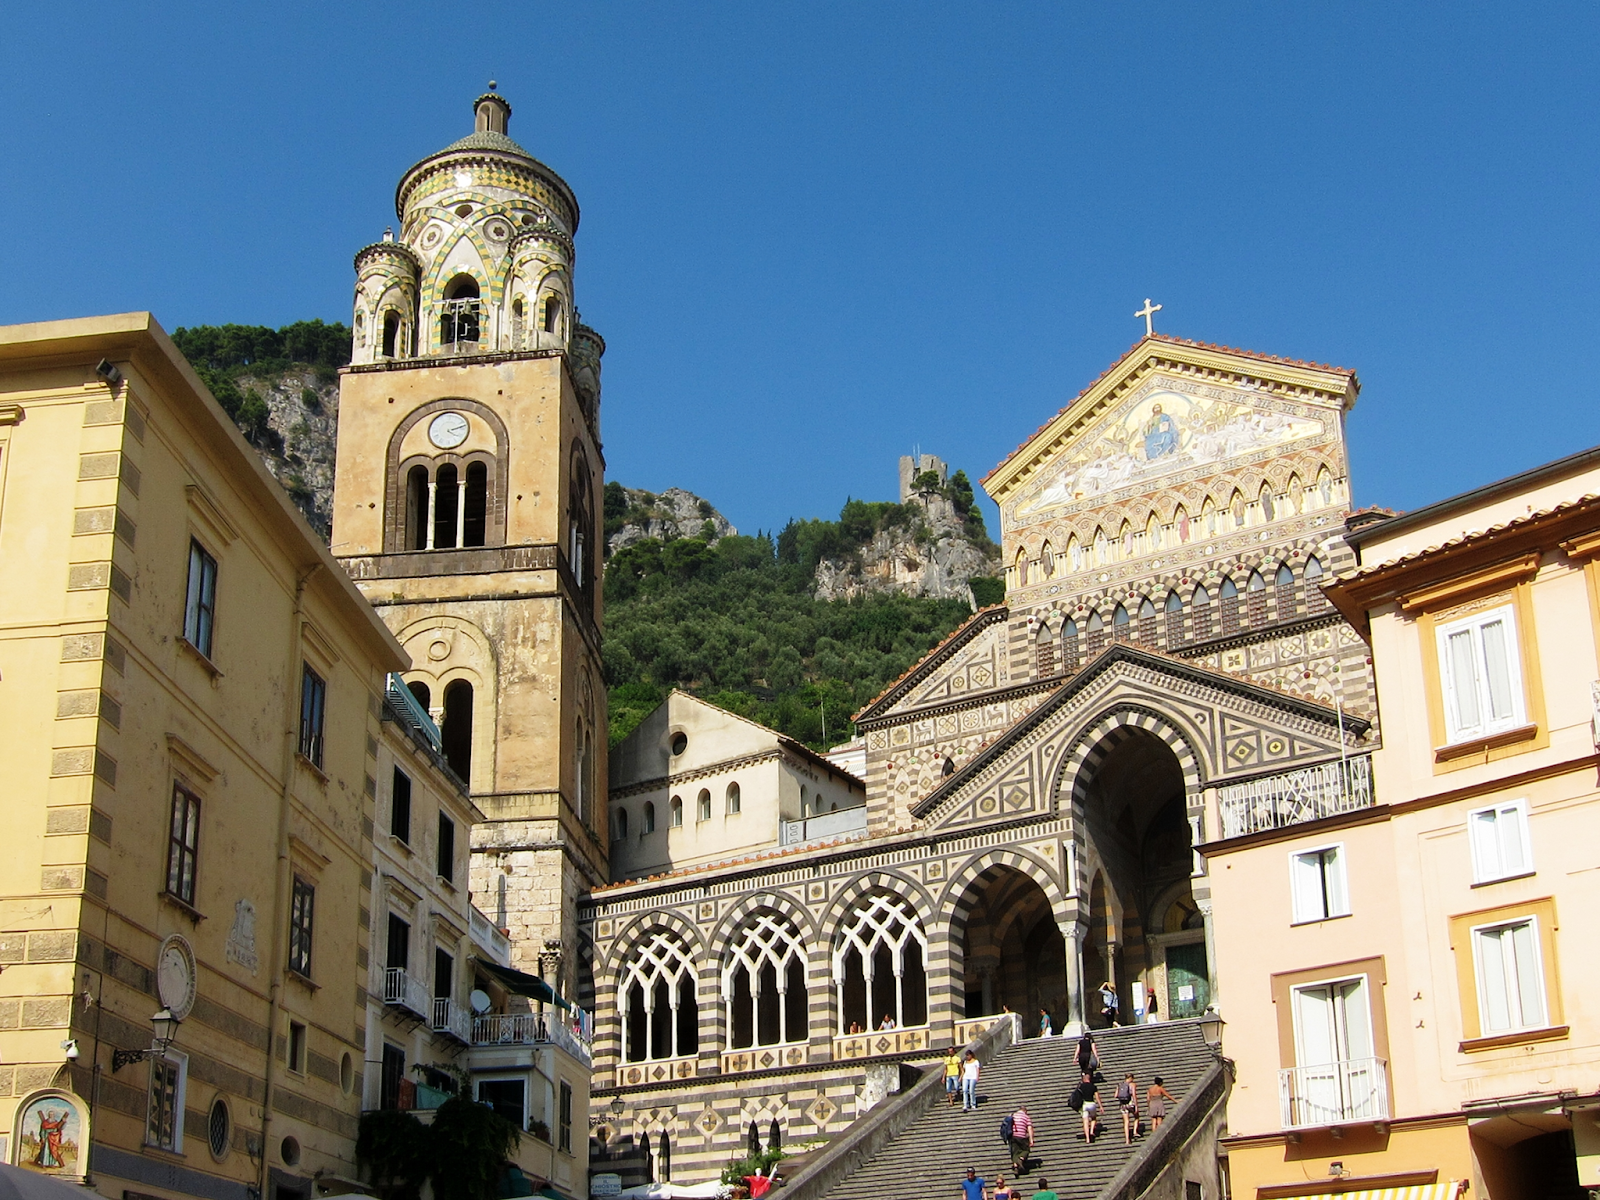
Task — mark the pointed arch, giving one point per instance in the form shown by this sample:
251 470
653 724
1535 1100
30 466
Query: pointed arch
1255 583
1313 568
879 958
1208 516
1071 648
1325 492
1284 577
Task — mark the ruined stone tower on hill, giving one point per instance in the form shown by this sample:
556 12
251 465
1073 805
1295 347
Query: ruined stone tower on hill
467 502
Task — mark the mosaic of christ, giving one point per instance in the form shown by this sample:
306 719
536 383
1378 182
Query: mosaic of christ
1160 433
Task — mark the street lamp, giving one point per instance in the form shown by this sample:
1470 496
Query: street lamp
163 1027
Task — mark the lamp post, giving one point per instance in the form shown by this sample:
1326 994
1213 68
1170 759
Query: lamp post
617 1108
163 1027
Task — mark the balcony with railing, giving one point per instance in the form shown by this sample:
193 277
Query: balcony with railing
402 991
410 711
1295 797
1339 1093
449 1018
846 822
530 1029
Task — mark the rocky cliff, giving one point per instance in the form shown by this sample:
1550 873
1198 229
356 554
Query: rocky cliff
936 556
633 514
296 436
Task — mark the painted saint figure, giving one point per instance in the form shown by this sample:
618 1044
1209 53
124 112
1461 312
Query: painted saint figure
1160 435
50 1126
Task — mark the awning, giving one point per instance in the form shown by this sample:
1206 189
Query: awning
523 984
1448 1190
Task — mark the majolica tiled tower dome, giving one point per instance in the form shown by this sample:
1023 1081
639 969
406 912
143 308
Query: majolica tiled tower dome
483 263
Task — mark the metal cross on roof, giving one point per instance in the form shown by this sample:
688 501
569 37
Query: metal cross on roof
1149 310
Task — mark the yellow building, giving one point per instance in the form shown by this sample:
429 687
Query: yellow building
466 505
1410 998
191 689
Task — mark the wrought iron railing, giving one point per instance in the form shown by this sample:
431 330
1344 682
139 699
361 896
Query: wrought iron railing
527 1029
1334 1093
399 988
448 1018
1294 797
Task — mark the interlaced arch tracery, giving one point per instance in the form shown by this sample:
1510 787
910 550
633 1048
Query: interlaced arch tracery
656 999
764 982
880 964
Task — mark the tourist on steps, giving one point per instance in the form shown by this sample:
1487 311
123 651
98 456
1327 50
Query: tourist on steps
1091 1107
1004 1191
1156 1103
1044 1192
952 1077
1044 1023
1088 1057
972 1187
1128 1104
1021 1139
969 1083
1109 1003
1152 1011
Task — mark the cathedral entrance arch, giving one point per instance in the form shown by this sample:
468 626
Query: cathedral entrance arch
1131 800
1013 955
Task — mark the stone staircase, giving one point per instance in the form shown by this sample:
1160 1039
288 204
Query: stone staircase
930 1156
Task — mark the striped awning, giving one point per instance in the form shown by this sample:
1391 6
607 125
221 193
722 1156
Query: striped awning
1422 1191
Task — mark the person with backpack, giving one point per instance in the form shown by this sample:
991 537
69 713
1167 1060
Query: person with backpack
1017 1132
1109 1003
1128 1105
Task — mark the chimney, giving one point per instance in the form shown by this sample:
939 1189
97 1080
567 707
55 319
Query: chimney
493 114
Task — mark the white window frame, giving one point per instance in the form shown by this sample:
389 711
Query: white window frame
1331 905
527 1092
1479 981
1451 688
1488 841
179 1060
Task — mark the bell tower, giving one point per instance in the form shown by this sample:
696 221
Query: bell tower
466 507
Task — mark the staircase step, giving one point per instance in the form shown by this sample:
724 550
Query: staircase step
930 1157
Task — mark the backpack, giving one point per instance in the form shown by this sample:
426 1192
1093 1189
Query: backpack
1006 1126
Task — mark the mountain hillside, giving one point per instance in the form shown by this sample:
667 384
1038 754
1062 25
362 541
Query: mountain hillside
281 387
632 515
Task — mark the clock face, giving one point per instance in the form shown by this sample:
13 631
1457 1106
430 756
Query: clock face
447 430
175 976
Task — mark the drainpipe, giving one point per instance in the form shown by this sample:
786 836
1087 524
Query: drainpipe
291 746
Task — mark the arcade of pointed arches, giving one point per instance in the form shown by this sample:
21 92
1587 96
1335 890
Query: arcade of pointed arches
1178 518
1002 935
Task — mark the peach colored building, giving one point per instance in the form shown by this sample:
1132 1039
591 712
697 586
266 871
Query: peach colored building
1410 985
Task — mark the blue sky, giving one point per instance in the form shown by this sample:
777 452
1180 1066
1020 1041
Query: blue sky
817 235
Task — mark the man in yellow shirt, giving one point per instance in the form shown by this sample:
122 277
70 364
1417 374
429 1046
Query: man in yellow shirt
952 1076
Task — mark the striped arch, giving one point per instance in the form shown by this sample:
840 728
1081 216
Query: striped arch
1091 746
980 870
630 939
845 900
734 919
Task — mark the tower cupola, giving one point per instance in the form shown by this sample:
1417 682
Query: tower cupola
494 114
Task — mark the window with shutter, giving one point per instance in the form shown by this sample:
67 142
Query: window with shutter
1510 976
1480 673
1500 844
1317 884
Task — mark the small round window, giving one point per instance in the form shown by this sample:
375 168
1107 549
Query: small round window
290 1150
219 1129
347 1074
680 743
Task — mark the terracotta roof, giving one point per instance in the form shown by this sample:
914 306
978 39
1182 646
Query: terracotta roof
1515 523
1171 341
928 657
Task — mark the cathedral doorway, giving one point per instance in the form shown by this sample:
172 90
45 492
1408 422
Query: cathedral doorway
1145 933
1014 956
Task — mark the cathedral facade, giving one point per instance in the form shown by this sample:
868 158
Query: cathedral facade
1037 788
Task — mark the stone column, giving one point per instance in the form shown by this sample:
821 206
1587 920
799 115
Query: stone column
1204 905
1076 1020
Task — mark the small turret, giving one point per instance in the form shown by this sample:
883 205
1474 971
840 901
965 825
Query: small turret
493 113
